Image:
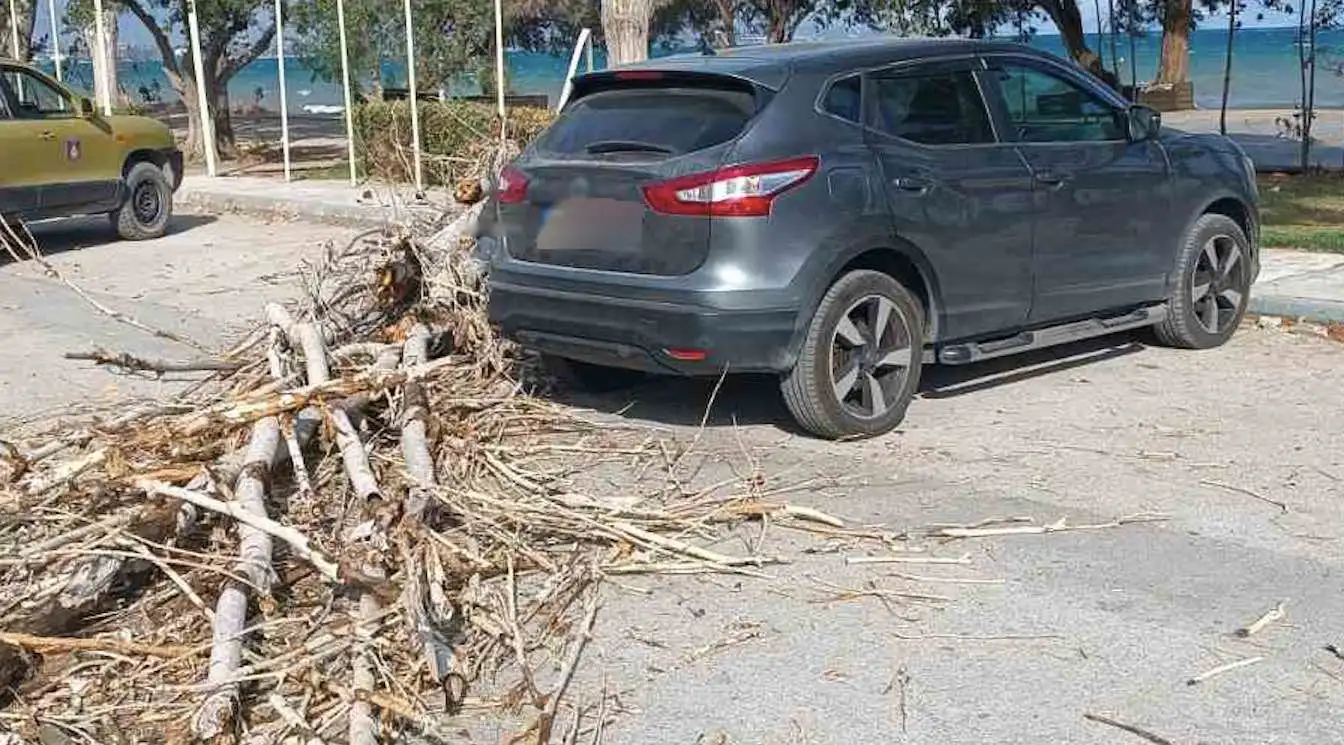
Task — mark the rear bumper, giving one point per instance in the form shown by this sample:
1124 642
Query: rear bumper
637 334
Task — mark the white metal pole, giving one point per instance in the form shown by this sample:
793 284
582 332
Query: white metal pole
415 102
284 92
573 68
499 69
590 53
203 97
345 90
105 56
55 41
14 28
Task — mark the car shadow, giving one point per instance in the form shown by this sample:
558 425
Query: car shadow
744 400
55 237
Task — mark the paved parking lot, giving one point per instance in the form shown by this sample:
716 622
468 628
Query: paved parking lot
1237 447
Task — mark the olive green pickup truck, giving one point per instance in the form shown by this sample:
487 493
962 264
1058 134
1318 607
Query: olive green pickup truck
61 158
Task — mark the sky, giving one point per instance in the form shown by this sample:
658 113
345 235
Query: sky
134 34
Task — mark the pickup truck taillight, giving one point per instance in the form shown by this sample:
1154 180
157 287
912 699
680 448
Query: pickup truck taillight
735 191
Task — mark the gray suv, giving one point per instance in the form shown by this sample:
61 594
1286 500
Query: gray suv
839 214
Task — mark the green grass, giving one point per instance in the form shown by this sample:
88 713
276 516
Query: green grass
1304 212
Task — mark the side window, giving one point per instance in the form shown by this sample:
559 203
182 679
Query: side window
36 99
934 109
1047 108
845 99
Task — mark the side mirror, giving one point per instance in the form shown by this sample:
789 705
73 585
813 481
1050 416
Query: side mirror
86 109
1145 123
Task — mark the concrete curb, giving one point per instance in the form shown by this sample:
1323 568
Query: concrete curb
327 213
1307 309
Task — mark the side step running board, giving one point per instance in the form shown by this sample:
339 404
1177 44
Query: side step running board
965 354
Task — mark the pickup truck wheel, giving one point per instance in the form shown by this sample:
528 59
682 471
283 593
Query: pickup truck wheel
1212 288
148 205
860 362
589 378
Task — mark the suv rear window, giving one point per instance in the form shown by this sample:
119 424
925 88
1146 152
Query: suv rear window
662 121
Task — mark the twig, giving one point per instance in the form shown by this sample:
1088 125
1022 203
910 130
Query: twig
62 645
1271 616
298 543
1059 526
761 509
33 253
547 718
855 560
1131 729
63 473
946 580
1223 669
1282 506
1335 650
681 547
131 362
977 637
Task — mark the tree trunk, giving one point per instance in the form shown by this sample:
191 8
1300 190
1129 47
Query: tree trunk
724 32
27 11
108 59
625 23
1069 20
1309 85
226 145
1115 55
1174 65
1227 65
783 18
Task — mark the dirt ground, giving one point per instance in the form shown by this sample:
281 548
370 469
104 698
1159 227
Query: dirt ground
1238 448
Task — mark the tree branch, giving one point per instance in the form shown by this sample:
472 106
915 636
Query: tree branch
259 47
161 40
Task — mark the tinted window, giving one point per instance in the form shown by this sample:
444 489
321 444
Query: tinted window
35 99
659 121
935 109
844 99
1048 108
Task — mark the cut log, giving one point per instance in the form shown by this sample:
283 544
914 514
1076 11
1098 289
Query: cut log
213 719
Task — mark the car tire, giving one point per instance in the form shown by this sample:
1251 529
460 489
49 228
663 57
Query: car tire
589 378
847 383
1212 286
148 206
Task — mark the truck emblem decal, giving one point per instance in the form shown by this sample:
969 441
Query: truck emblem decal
72 150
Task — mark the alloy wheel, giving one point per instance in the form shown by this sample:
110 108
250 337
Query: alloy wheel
1217 284
871 356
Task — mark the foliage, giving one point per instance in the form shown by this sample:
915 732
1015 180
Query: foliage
454 39
454 137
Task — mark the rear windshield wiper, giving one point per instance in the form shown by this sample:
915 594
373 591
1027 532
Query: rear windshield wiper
625 146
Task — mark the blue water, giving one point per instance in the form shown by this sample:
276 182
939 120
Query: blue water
1264 75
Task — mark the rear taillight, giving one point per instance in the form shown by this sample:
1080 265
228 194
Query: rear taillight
736 191
512 186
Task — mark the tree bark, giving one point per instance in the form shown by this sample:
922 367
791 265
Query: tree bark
1174 64
625 23
1069 20
1309 24
724 32
27 10
1227 65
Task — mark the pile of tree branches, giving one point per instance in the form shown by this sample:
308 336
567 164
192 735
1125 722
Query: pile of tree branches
344 531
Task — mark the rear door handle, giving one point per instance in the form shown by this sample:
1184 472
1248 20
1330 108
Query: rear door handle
48 135
1051 179
911 184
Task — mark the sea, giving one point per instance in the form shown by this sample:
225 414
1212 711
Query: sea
1265 72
